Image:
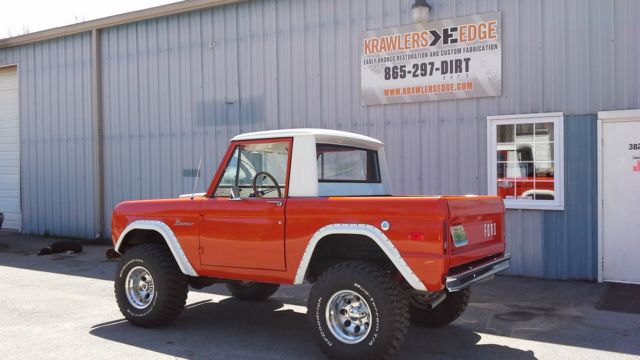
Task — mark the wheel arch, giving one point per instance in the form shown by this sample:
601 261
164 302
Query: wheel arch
154 231
372 234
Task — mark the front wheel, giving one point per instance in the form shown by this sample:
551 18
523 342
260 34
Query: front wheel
357 310
150 288
445 313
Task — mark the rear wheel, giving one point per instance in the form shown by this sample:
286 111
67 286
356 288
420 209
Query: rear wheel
150 288
445 313
252 291
357 310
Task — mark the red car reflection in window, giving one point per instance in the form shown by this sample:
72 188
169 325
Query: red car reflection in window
520 177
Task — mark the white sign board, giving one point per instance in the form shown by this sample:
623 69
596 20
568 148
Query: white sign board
455 58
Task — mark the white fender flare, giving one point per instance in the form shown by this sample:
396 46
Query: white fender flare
169 237
359 229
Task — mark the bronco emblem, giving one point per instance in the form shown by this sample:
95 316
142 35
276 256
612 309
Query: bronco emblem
182 223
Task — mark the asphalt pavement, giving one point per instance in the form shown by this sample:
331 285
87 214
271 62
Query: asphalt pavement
62 307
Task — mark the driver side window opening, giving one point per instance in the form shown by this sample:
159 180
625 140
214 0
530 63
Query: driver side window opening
259 165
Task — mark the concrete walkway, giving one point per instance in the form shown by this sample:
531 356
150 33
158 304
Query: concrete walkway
62 307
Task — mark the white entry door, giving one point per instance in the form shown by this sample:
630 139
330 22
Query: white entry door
9 149
620 195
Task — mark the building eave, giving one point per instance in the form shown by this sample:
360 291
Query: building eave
115 20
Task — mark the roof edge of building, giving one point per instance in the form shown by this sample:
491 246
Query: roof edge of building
115 20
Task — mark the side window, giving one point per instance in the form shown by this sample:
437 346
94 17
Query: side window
339 163
264 163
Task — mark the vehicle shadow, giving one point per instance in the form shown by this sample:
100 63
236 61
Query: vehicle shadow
233 329
455 342
21 251
523 308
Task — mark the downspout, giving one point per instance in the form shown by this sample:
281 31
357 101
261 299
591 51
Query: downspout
96 117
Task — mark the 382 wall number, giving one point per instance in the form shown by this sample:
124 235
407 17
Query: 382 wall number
634 146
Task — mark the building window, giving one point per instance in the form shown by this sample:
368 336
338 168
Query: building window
526 160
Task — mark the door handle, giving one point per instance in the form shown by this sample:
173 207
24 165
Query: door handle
276 202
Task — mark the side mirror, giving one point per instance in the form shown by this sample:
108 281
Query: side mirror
235 193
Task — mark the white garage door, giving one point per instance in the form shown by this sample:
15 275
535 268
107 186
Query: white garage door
9 149
620 164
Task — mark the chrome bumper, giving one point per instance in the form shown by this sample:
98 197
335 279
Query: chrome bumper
478 273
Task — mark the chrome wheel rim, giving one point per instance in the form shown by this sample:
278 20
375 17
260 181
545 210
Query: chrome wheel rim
139 287
348 317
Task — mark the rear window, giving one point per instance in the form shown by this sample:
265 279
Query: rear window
339 163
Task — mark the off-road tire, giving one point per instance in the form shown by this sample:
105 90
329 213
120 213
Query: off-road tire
253 291
388 305
444 314
170 285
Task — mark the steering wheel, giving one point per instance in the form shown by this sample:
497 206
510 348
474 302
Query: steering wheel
261 192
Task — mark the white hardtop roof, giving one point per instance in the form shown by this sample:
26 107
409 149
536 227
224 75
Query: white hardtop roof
321 134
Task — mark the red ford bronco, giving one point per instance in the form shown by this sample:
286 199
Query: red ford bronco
290 206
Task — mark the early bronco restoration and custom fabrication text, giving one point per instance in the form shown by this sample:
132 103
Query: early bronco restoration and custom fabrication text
309 205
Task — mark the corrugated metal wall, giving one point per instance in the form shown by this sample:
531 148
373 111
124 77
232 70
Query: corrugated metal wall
181 86
568 240
525 242
570 237
176 88
56 136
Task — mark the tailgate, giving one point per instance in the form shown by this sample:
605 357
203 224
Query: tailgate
476 225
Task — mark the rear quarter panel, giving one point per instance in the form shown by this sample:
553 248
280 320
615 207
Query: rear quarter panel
417 227
420 228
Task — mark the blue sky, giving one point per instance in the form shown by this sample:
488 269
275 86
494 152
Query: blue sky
34 15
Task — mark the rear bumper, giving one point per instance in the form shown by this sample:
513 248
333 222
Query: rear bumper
464 279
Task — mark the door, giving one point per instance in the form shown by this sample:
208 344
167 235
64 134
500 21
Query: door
243 219
621 200
9 149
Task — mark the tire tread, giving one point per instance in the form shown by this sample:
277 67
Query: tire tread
173 281
392 289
